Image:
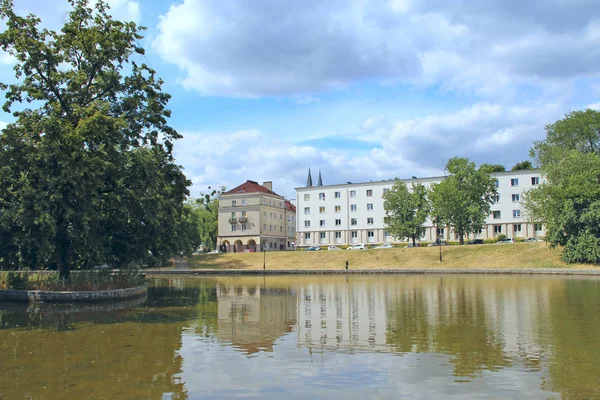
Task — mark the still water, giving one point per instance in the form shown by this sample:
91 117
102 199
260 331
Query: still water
296 337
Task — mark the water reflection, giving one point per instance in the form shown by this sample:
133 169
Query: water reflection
327 337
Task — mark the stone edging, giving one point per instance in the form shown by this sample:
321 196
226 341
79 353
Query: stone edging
508 271
39 296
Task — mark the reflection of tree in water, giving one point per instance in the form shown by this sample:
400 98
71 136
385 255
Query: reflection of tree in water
129 353
574 338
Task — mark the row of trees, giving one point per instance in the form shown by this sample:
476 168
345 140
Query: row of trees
462 200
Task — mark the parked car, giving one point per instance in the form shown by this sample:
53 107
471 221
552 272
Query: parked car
505 240
417 244
357 247
438 243
313 248
476 241
534 239
215 251
333 248
249 250
384 246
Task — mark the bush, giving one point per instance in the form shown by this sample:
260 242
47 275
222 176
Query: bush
17 280
80 280
500 237
584 248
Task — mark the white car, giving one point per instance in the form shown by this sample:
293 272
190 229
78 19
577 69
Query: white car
384 246
357 247
333 248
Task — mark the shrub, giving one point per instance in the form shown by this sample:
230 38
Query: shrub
80 280
17 280
500 237
584 248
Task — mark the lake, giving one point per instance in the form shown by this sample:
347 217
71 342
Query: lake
321 337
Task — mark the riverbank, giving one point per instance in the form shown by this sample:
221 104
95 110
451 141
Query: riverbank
502 257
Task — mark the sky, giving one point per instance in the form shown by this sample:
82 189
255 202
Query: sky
359 89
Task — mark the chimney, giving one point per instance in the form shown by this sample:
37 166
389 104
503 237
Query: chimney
268 185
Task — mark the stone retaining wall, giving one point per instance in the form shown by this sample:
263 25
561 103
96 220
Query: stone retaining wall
39 296
508 271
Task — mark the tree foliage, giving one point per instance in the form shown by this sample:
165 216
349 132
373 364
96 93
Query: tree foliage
406 211
568 201
523 165
206 211
489 168
463 199
87 171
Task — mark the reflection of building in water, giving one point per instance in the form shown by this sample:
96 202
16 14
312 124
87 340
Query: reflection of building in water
252 317
333 315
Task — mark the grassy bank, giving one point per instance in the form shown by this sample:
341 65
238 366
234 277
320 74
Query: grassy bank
80 280
497 256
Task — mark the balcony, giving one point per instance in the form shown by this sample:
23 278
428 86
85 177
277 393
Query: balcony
233 220
243 220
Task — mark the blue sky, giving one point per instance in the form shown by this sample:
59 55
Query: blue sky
362 90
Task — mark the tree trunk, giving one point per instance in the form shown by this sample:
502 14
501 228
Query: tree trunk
413 239
462 238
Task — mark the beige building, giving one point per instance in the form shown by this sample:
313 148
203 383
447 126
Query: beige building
253 217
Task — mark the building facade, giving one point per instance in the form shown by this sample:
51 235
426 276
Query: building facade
353 213
253 217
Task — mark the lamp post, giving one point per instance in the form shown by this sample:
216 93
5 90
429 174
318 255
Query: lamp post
439 243
264 257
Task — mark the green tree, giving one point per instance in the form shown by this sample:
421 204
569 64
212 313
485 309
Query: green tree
406 211
489 168
206 209
568 201
463 199
523 165
87 171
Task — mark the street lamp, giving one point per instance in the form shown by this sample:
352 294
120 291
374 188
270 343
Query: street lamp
264 257
439 242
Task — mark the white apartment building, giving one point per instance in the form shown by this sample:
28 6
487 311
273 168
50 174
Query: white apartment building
353 213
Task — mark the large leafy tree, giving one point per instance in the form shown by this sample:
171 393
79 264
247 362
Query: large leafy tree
406 210
489 168
86 168
463 199
523 165
568 201
206 211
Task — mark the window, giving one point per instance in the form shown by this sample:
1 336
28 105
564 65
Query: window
516 197
440 232
497 229
338 235
338 209
354 234
321 210
535 180
338 222
353 193
353 221
369 206
496 198
233 228
280 216
514 182
352 207
337 195
233 202
322 235
306 235
280 205
321 196
517 227
538 227
370 236
244 202
369 193
516 213
322 222
281 229
270 227
497 183
233 215
307 197
496 214
265 213
243 227
307 224
265 227
386 190
306 211
370 221
271 215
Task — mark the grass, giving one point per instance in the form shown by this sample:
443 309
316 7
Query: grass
486 256
80 280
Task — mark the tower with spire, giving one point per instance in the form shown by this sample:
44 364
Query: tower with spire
320 182
309 179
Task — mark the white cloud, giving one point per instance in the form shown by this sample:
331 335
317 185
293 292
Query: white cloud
595 106
265 48
483 132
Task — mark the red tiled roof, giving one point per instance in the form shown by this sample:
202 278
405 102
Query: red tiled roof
289 206
250 187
